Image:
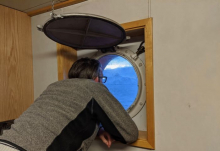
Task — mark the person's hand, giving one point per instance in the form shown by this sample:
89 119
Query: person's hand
106 137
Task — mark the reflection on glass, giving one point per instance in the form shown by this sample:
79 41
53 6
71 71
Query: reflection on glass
122 79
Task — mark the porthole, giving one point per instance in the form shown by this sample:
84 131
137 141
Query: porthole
122 79
126 78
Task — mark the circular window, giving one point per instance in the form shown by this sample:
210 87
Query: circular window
126 79
122 79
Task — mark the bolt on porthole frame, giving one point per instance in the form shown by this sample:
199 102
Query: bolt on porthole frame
139 68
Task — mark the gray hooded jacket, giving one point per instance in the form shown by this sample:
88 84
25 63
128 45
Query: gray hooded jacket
66 117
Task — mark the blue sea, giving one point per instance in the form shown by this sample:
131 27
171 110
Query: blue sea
123 84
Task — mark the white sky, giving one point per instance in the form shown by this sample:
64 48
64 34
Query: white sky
118 62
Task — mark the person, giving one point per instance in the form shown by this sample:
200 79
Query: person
69 115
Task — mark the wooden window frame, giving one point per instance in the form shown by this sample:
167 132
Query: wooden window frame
141 29
146 138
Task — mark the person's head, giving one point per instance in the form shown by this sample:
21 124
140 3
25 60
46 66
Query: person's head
85 68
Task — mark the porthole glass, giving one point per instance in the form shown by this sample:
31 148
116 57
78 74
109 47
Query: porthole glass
125 77
122 78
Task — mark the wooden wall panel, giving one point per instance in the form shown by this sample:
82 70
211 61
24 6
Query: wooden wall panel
66 56
16 63
146 138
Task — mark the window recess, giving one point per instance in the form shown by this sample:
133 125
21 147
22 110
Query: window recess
136 31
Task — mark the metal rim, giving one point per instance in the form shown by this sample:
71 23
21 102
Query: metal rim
87 16
139 66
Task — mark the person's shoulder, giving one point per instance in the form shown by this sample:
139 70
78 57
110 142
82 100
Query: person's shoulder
79 83
66 81
96 86
62 83
58 82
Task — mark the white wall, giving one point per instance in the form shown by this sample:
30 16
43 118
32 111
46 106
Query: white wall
186 67
187 74
44 56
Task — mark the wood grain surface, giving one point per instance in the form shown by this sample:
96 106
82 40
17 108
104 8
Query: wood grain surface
66 56
16 63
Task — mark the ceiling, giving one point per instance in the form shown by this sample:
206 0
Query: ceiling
28 5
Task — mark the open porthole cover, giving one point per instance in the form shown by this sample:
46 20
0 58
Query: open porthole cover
84 31
140 95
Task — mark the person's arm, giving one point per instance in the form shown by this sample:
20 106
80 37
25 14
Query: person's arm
113 117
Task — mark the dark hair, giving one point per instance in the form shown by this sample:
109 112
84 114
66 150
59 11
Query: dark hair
85 68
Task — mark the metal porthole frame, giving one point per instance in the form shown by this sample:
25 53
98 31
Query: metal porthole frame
139 67
85 37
